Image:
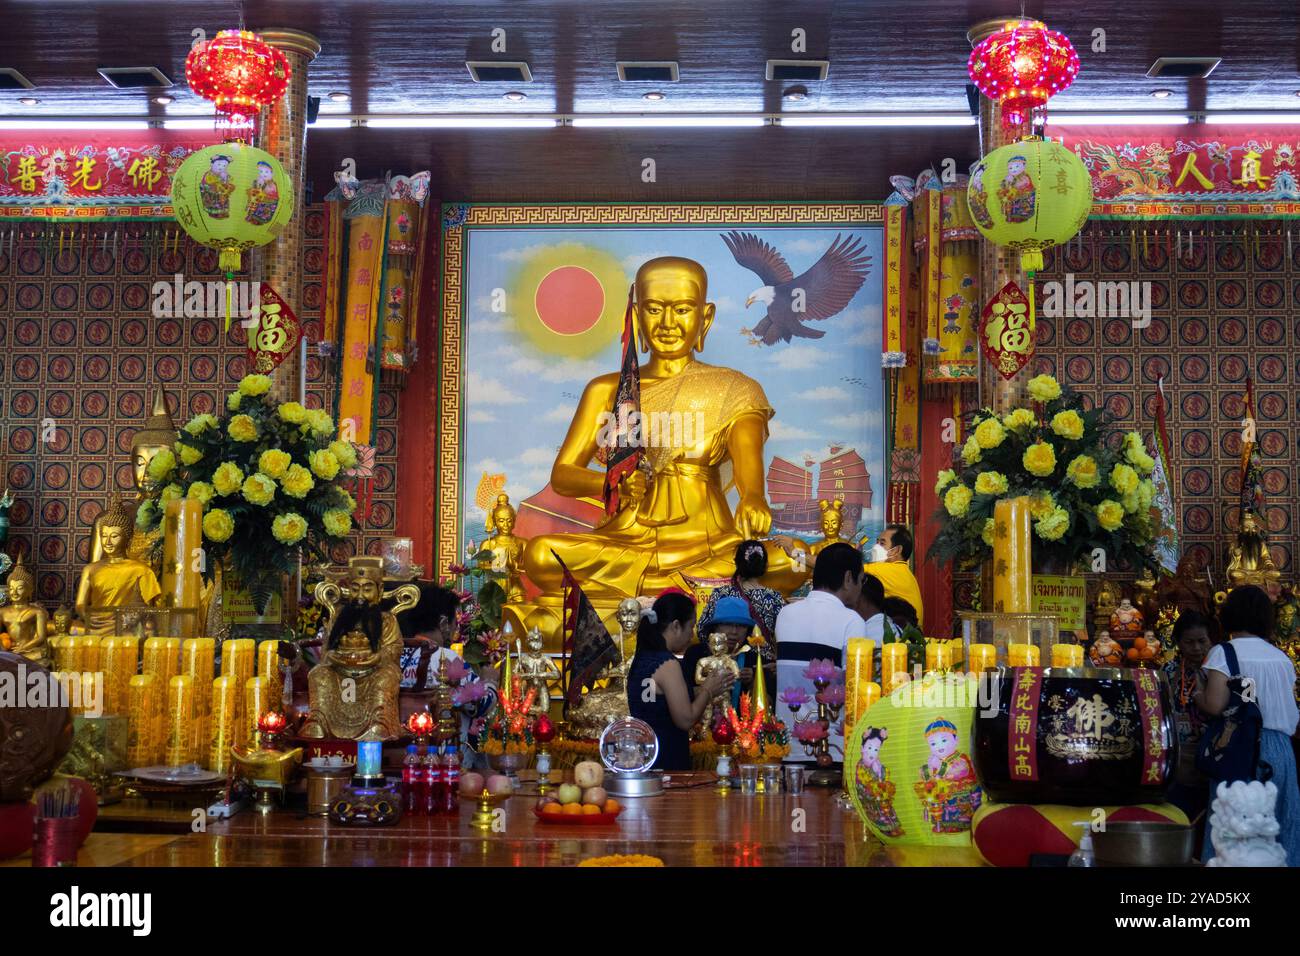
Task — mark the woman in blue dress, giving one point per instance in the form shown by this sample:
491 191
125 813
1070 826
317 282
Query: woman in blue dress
656 686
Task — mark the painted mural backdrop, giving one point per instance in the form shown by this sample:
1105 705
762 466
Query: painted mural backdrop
543 311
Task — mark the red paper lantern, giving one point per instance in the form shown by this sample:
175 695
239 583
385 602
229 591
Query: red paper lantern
239 72
1022 65
544 729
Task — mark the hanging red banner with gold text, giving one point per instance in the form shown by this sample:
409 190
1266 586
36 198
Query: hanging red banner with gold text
1007 330
276 335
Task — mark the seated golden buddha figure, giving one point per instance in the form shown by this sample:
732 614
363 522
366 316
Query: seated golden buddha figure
353 690
601 705
505 547
1248 559
676 524
25 622
158 433
115 580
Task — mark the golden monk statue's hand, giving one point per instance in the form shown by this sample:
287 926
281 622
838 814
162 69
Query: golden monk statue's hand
753 517
633 487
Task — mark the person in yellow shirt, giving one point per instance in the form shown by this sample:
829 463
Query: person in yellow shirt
889 557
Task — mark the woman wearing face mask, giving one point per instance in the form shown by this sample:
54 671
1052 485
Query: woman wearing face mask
656 686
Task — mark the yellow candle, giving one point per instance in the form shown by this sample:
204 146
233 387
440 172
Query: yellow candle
1067 655
256 703
223 724
859 663
1023 655
938 656
144 704
893 661
268 660
162 657
88 652
1011 556
180 721
980 656
182 545
59 648
957 651
239 661
869 693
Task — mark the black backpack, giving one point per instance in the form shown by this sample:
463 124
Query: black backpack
1229 748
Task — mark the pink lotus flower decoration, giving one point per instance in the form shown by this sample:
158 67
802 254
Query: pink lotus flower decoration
456 670
477 724
809 731
794 697
831 695
468 694
820 671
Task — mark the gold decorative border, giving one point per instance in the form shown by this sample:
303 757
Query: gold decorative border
456 217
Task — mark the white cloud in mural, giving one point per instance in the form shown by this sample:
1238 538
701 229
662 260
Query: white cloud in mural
812 247
480 417
495 324
633 261
780 431
489 465
799 358
824 393
488 391
863 324
520 253
560 413
537 456
867 419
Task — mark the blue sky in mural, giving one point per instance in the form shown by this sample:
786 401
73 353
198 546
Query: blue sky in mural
521 390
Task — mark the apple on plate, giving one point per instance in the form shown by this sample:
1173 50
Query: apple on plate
588 774
471 783
499 784
595 795
569 793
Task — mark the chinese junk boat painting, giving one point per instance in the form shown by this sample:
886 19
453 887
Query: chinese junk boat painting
794 495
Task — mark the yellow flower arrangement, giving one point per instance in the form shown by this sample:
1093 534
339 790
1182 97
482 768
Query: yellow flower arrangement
1019 419
161 465
337 522
253 385
218 526
323 464
1110 514
946 478
1044 388
298 481
242 428
991 483
172 492
1123 479
289 528
201 492
957 500
1041 504
345 452
1039 459
1135 453
274 463
990 433
233 401
621 859
1053 525
292 412
1082 471
228 478
1146 493
1068 424
986 533
200 423
320 423
1130 501
970 452
189 454
258 489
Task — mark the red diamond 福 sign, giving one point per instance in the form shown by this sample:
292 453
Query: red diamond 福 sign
1007 330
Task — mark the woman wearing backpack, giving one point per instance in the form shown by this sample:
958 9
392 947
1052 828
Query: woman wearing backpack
1269 679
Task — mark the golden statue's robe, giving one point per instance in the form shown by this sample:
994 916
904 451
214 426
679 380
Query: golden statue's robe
370 705
125 583
24 626
684 525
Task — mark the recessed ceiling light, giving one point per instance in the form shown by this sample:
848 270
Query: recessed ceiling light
1162 94
163 100
338 97
514 96
795 94
654 96
28 100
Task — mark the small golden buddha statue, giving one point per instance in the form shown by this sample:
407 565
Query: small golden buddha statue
61 621
1104 605
115 580
719 659
601 705
1248 559
158 433
353 690
535 669
832 525
505 547
25 622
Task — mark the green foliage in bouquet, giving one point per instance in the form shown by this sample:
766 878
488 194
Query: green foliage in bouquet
1089 485
265 474
482 597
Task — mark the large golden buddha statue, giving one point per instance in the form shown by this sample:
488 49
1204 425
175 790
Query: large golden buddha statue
353 690
115 580
676 524
24 621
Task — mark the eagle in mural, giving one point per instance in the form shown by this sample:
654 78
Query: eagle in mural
820 293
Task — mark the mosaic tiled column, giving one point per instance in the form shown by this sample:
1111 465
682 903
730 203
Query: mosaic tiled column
284 135
998 265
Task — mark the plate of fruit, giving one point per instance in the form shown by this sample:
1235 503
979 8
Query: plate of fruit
582 803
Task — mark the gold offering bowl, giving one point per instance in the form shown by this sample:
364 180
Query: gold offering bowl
267 771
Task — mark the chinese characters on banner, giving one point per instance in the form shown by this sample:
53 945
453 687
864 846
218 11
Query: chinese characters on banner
92 175
1006 331
276 334
1153 744
1022 728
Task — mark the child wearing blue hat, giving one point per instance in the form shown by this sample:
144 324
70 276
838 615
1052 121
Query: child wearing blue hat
730 616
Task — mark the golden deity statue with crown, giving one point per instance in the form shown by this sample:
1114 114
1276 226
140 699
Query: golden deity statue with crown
115 579
674 524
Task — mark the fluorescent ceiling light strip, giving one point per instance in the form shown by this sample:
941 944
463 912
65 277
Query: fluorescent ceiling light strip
700 121
208 123
461 122
1262 119
331 122
74 124
879 119
1117 119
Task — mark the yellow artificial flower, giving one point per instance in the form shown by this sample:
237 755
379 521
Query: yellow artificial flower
990 433
1146 493
322 426
201 423
945 478
1019 419
957 500
144 515
161 465
258 489
324 464
986 534
289 528
337 522
1039 459
1044 388
218 526
1110 514
298 482
1068 424
233 400
1053 525
172 492
292 412
991 483
345 452
349 503
1135 452
1123 479
970 452
1041 504
201 492
227 478
1082 470
1130 502
189 454
242 428
254 384
274 462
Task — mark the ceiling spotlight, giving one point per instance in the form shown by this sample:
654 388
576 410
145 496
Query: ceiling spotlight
654 96
514 96
338 97
164 100
28 100
1162 94
795 94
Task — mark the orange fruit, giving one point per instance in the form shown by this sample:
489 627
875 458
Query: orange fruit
571 809
611 806
1132 654
553 808
1139 642
590 809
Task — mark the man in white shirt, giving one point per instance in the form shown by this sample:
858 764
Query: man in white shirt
818 627
870 604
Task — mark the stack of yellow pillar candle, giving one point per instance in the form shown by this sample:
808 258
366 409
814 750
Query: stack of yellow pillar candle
938 656
981 656
256 703
860 692
180 721
144 715
223 725
182 579
119 658
198 655
1012 560
1067 655
162 658
238 662
893 666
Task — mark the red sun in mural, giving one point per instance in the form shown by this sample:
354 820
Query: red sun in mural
569 300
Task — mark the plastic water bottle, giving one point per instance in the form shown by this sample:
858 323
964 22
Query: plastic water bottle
436 783
1083 856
